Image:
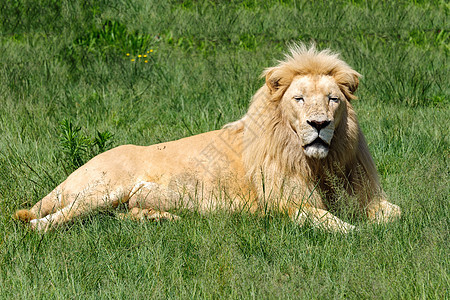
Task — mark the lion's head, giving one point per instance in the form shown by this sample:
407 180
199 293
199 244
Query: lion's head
312 91
302 115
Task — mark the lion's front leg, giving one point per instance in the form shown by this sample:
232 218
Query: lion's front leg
323 219
310 208
382 211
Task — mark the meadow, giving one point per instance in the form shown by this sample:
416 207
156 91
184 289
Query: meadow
80 77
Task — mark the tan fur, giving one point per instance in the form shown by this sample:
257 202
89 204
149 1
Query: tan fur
298 139
24 215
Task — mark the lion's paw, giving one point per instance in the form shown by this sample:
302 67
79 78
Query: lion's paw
339 226
326 221
40 225
384 212
148 214
346 228
162 216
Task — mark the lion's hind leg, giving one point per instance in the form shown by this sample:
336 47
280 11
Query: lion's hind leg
149 200
47 205
89 200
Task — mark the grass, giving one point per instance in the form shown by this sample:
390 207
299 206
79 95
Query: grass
63 61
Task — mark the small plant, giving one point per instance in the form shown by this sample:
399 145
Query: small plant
77 148
103 141
109 40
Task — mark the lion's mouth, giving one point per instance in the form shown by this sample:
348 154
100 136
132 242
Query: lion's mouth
317 142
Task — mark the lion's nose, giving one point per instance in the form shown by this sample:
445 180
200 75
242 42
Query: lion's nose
318 124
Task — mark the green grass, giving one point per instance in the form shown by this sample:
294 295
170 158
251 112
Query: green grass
66 62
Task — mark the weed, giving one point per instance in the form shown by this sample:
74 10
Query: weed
110 40
77 148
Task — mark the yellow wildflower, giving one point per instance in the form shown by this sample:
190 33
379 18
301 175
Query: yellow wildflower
132 59
145 55
151 50
128 54
139 55
146 61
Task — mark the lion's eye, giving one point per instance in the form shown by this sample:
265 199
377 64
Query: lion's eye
334 99
299 99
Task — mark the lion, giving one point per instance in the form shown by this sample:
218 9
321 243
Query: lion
298 138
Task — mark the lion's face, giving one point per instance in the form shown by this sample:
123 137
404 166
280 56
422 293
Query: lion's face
314 106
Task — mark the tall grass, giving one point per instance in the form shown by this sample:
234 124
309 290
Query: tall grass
67 60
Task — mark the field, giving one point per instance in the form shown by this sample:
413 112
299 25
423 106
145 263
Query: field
80 77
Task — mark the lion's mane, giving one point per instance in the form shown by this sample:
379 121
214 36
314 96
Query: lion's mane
271 145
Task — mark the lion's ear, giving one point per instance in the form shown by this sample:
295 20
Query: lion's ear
349 82
277 78
272 80
353 82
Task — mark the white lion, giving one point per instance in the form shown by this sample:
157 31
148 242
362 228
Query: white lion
299 134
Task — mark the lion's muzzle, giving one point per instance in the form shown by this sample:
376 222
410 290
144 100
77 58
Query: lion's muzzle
317 138
318 124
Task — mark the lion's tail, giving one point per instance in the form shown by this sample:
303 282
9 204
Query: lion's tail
24 215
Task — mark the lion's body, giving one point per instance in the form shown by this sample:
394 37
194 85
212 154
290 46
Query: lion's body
298 143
